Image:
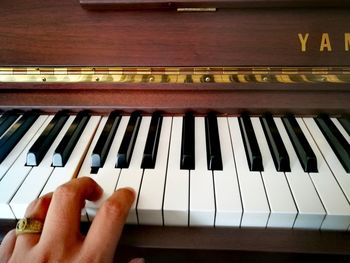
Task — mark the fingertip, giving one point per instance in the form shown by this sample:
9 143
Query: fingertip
7 246
129 192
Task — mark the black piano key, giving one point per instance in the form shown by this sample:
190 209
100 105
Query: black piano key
38 150
187 158
345 122
128 142
250 143
301 146
16 132
276 146
99 154
335 139
214 159
70 139
6 120
152 142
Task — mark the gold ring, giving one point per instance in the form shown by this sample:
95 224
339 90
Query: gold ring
29 226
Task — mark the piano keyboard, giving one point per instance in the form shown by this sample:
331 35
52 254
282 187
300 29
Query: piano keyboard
274 172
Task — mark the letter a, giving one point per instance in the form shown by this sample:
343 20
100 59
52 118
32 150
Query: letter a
325 42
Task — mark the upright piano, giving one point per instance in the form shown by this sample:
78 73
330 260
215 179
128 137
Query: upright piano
234 114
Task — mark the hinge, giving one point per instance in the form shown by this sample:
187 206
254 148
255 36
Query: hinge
196 9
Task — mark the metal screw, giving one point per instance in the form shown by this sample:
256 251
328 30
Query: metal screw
207 79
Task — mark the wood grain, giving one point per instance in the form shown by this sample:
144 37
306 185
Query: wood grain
52 32
161 4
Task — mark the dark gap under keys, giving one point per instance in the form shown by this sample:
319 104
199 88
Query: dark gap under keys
16 132
187 143
214 159
70 139
300 144
127 145
250 143
38 150
345 122
152 142
335 139
278 150
104 142
6 120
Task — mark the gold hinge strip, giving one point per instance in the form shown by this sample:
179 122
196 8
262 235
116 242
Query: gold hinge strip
196 9
175 75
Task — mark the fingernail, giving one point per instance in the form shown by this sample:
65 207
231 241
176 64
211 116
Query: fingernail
131 190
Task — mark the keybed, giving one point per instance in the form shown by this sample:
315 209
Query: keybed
187 171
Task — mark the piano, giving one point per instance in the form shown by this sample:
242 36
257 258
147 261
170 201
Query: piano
232 124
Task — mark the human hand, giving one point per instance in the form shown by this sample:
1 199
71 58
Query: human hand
60 239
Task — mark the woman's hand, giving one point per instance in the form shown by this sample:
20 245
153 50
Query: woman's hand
61 240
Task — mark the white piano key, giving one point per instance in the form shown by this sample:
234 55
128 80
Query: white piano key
132 176
202 199
14 177
310 209
332 197
227 192
37 177
282 207
61 175
341 129
175 208
334 164
255 205
18 149
107 176
149 206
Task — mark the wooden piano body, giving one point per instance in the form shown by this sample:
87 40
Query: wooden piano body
260 48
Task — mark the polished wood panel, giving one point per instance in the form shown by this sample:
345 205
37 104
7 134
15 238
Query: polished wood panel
161 4
62 33
278 99
227 239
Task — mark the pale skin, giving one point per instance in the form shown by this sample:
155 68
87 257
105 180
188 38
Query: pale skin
61 240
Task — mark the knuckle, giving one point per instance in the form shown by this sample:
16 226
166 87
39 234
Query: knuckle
114 209
87 179
65 191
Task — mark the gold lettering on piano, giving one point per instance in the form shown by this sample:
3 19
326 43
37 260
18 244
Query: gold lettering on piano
347 41
325 42
303 41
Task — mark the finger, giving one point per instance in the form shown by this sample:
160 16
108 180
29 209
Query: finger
107 226
7 246
37 209
63 217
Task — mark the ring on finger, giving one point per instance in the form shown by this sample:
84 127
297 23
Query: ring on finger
29 226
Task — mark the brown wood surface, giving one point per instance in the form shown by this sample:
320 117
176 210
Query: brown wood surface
246 240
296 98
53 32
150 4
